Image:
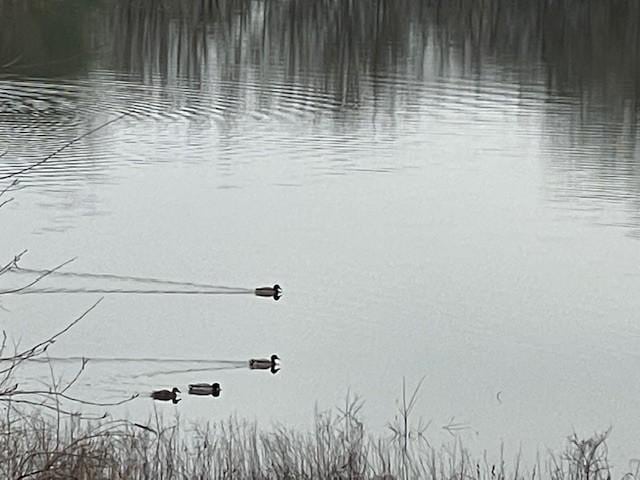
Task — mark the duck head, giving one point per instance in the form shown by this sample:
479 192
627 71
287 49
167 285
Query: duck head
215 389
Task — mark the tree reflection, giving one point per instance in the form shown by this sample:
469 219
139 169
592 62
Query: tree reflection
338 46
584 53
43 38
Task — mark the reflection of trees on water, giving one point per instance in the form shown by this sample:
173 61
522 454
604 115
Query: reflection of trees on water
586 54
584 49
586 46
158 39
351 55
329 46
576 40
342 47
38 37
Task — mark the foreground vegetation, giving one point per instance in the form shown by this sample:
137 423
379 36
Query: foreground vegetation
338 447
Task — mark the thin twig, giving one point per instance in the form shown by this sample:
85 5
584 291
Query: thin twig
8 64
53 393
52 408
37 279
13 263
8 187
40 347
83 364
59 150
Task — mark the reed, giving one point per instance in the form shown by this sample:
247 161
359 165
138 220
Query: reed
338 446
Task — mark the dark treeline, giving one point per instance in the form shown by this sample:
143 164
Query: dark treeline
586 50
583 48
581 43
583 55
330 46
31 42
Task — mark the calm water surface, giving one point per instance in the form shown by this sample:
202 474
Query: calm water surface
444 191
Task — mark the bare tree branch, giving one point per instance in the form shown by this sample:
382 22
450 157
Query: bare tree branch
11 62
59 150
53 394
42 346
53 408
13 263
38 278
10 185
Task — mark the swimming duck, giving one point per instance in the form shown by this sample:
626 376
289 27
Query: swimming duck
205 389
274 292
166 395
264 363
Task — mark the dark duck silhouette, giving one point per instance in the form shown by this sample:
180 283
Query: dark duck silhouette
274 292
166 395
212 389
265 364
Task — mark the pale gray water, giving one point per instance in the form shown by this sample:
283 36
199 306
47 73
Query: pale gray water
437 200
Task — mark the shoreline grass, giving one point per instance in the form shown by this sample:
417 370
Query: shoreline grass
337 446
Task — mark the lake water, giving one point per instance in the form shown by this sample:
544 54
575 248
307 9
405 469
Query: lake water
443 189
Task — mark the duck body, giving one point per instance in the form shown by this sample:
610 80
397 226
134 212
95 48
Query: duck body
212 389
265 363
274 292
166 395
